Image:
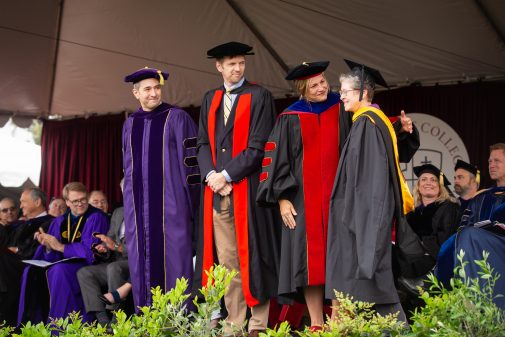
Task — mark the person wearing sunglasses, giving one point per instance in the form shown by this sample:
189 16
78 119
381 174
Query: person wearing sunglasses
8 211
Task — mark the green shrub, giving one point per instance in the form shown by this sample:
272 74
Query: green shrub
356 319
467 309
167 316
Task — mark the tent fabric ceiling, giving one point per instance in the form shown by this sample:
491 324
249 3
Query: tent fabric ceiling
69 57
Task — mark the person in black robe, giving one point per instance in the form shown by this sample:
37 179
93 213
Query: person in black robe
434 220
235 120
21 245
368 194
301 158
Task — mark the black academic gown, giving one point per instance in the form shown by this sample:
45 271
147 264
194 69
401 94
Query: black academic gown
433 224
300 163
11 265
367 195
238 148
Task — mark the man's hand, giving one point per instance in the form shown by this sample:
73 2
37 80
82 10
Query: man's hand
216 181
406 123
107 242
100 248
13 249
50 241
226 190
288 213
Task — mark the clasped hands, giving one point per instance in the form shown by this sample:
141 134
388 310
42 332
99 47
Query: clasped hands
218 184
49 241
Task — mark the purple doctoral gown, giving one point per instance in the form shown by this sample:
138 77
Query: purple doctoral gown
161 187
64 295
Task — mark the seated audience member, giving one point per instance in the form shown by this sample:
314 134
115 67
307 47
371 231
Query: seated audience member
466 182
8 211
22 246
57 207
434 219
71 235
110 274
486 205
33 205
98 199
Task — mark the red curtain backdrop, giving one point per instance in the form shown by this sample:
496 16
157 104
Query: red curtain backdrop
89 150
85 150
476 111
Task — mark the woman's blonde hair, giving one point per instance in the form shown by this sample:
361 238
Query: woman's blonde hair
301 86
443 194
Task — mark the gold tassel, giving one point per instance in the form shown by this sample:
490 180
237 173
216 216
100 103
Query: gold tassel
162 80
477 178
441 179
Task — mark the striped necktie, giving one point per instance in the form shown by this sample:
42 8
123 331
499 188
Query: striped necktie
227 106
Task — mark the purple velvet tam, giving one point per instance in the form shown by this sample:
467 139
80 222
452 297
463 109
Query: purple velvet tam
145 73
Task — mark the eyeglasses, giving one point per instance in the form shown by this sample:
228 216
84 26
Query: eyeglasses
345 92
8 209
77 202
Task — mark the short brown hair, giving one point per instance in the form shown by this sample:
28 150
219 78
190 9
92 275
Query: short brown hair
497 146
74 186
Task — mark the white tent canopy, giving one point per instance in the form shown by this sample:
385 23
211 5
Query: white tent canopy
69 57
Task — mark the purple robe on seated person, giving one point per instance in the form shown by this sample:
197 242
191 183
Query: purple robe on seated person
64 294
161 189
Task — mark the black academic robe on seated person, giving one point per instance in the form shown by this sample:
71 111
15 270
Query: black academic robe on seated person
238 148
11 265
433 224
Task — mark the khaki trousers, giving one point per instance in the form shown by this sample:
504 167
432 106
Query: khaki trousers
226 247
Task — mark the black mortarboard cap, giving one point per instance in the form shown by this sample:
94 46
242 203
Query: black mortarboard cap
145 73
468 167
307 70
429 168
229 49
366 73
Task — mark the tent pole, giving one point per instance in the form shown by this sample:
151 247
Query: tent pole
258 35
45 114
483 10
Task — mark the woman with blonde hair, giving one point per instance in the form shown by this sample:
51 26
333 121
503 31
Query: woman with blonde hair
434 219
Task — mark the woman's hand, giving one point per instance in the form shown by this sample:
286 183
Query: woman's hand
288 213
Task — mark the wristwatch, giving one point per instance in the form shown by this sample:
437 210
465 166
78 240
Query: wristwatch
116 246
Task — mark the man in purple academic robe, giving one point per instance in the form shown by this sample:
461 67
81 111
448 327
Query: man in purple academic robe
70 235
161 188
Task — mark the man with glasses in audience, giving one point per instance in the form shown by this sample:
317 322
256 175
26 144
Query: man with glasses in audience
8 211
8 225
71 235
98 199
